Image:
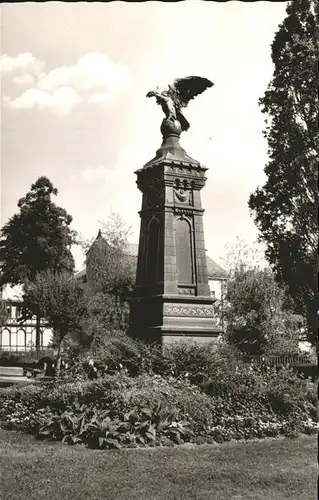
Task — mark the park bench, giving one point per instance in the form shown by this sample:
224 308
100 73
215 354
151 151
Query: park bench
33 372
12 375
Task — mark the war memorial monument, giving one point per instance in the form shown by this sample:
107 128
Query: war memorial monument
171 299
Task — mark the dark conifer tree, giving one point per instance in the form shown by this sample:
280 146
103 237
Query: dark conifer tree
285 208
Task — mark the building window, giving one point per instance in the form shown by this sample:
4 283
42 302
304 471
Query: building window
20 339
13 338
5 340
30 339
47 337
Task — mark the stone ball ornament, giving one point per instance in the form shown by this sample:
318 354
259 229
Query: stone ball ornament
171 127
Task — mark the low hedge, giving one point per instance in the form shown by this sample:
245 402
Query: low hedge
185 358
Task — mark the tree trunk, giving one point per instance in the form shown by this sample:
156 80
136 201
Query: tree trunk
37 333
58 360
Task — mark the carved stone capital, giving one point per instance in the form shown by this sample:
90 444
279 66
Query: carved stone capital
188 212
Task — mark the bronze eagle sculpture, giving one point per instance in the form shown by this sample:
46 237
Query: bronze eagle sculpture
178 96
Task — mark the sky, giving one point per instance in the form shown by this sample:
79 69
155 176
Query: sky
74 79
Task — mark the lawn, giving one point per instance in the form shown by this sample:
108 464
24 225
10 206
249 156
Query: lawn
268 470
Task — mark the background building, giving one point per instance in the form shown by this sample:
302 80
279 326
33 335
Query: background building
14 334
217 276
20 336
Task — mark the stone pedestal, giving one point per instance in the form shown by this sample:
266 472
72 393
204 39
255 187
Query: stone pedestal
171 299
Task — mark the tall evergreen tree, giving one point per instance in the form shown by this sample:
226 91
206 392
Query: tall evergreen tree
285 208
37 238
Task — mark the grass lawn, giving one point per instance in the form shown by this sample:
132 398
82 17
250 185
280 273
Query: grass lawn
268 470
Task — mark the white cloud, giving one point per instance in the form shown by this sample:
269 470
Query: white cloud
94 72
23 63
121 172
60 102
25 79
93 79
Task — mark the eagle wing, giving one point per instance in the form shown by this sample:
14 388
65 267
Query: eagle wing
189 87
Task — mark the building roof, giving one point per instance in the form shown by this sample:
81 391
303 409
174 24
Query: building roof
214 270
99 242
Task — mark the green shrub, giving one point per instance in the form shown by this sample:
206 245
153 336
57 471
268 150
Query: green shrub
149 397
191 360
282 389
142 407
117 353
120 351
119 410
183 359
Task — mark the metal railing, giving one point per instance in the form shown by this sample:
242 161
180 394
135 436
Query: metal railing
289 359
26 353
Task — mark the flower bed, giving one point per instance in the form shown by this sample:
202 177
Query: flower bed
147 410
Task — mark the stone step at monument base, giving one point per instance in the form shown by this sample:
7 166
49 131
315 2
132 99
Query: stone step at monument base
170 335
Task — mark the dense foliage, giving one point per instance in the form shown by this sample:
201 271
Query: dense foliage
36 239
24 359
110 273
285 208
258 319
258 312
3 312
106 314
109 267
197 395
59 299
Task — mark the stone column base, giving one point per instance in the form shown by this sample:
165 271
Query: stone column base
166 319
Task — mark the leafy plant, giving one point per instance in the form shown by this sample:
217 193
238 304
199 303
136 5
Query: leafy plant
234 400
58 299
258 312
